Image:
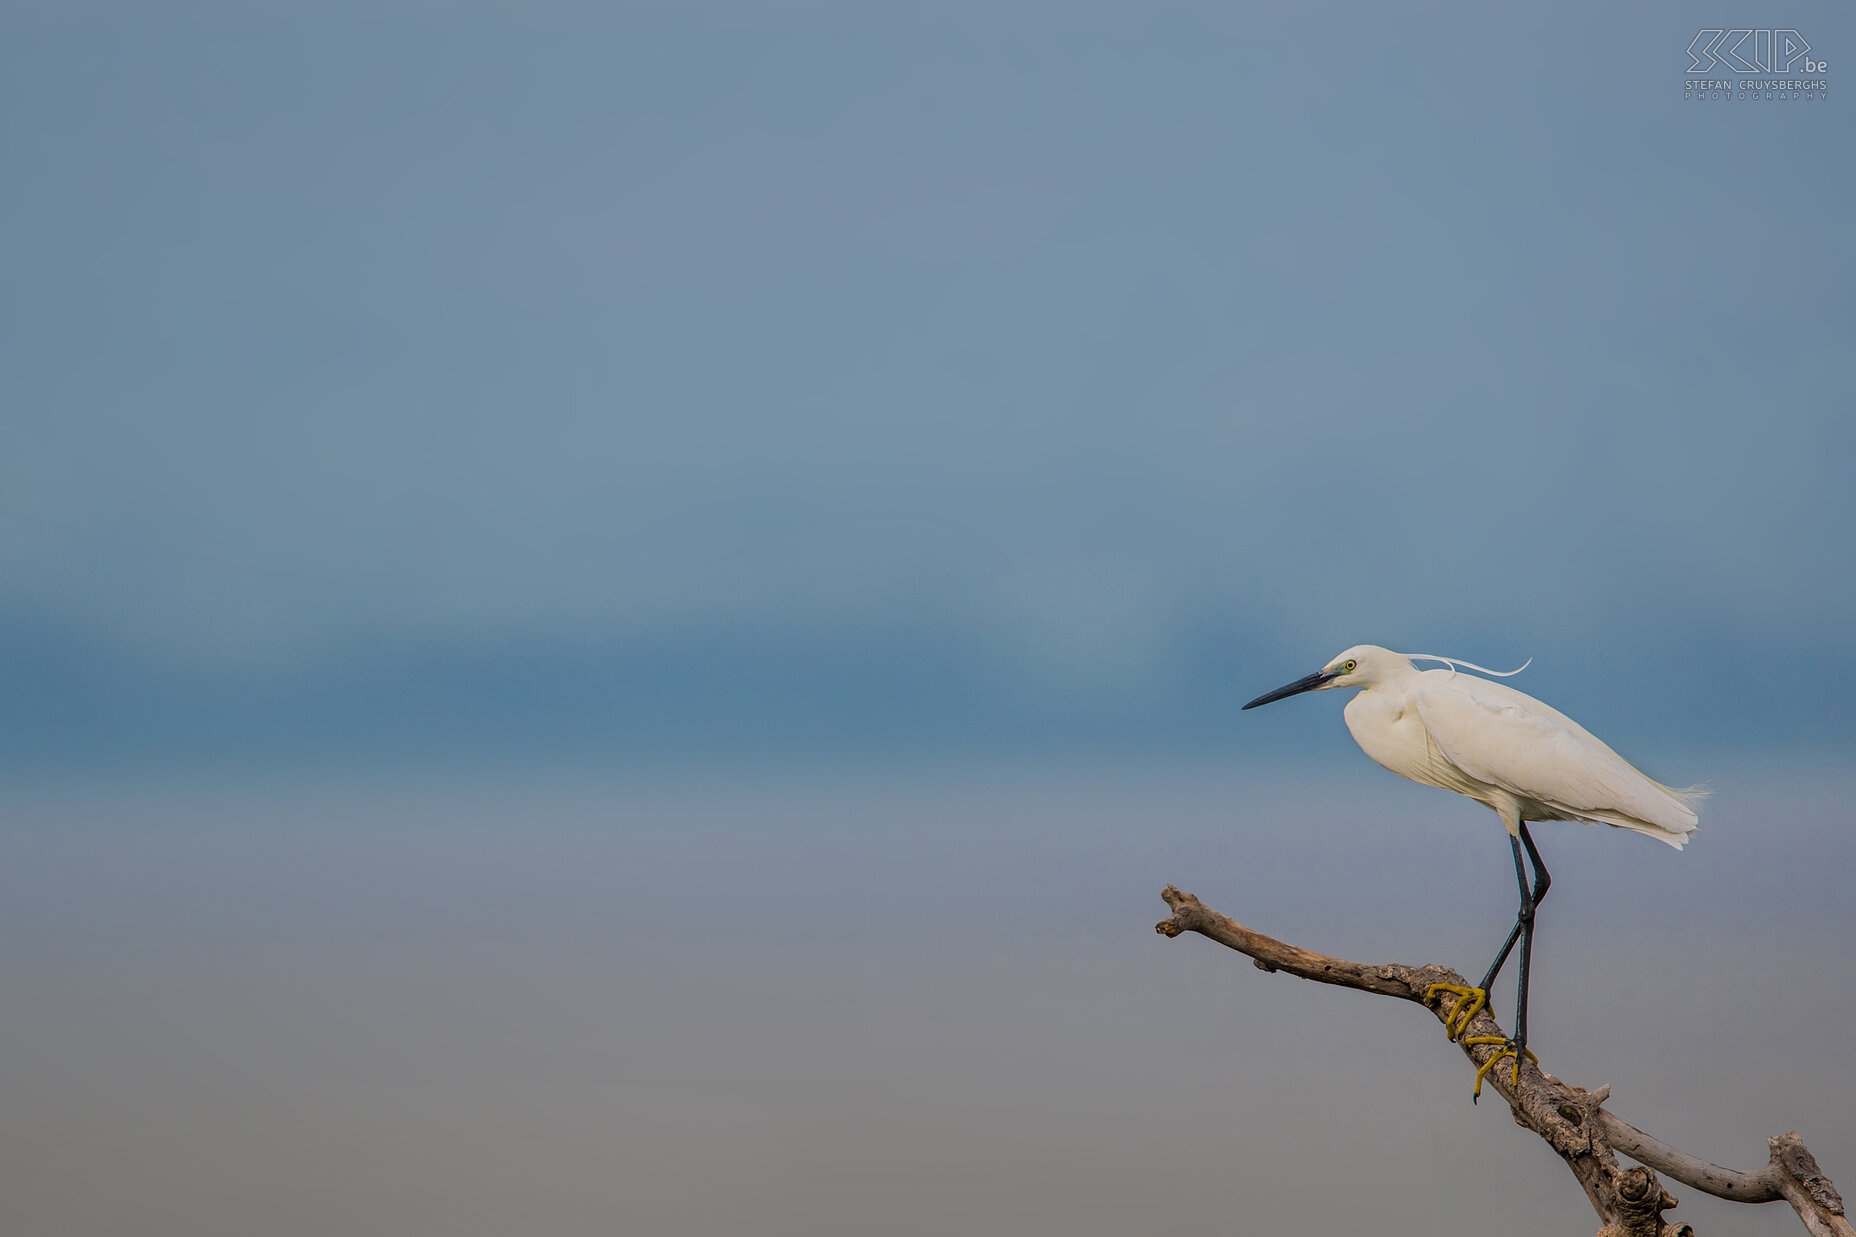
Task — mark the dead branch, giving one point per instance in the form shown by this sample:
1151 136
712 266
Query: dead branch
1572 1120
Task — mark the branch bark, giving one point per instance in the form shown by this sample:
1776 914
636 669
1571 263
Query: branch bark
1573 1121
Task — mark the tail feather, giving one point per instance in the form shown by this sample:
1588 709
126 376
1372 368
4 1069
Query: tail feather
1674 827
1677 838
1689 797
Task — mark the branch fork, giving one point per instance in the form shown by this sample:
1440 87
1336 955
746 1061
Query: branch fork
1630 1201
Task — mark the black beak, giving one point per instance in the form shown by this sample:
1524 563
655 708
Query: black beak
1306 683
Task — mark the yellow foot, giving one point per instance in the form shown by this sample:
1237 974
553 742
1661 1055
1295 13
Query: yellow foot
1508 1050
1469 1003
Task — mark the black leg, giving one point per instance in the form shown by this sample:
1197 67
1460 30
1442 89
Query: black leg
1525 917
1526 926
1495 967
1523 921
1469 1001
1542 881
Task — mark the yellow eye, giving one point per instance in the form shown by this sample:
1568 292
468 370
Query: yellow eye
1350 667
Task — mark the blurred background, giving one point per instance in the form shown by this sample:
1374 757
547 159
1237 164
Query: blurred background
611 618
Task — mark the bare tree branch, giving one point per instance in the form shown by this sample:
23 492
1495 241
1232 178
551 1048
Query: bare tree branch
1629 1201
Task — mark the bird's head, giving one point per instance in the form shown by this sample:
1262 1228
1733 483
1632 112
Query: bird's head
1363 665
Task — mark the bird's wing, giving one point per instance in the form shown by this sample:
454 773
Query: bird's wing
1505 738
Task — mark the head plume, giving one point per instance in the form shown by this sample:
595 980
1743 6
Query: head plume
1453 663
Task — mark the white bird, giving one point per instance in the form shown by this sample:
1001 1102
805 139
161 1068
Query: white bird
1505 749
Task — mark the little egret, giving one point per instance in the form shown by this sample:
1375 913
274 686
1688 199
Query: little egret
1506 750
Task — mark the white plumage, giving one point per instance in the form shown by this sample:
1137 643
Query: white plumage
1524 759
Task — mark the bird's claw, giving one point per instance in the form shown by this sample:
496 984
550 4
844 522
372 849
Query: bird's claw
1508 1049
1469 1003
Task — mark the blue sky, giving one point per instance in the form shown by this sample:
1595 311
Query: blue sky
722 380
